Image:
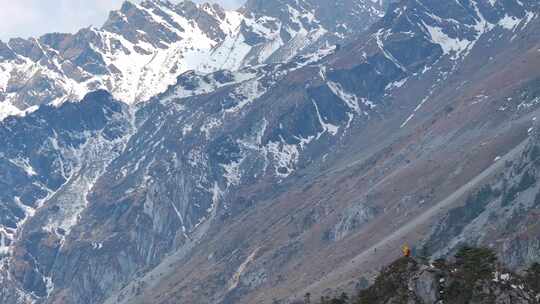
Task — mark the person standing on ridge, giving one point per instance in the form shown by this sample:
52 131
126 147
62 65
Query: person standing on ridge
406 251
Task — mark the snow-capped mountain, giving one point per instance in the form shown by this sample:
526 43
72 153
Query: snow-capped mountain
291 140
142 48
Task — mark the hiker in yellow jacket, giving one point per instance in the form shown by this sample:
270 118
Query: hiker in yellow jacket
406 251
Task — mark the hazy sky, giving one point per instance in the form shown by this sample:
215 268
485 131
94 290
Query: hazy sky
30 18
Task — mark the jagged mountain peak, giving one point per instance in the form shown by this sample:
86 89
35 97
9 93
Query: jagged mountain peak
138 43
354 15
143 47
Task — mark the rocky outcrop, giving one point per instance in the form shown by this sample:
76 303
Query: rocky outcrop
472 277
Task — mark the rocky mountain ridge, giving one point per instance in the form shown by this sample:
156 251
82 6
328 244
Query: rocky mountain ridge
142 48
472 276
316 156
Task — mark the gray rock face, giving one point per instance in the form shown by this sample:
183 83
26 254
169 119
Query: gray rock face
429 286
426 285
352 219
65 151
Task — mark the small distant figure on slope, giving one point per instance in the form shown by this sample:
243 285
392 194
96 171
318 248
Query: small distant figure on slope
406 251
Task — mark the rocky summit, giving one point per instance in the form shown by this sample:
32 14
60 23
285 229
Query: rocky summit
472 276
184 153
